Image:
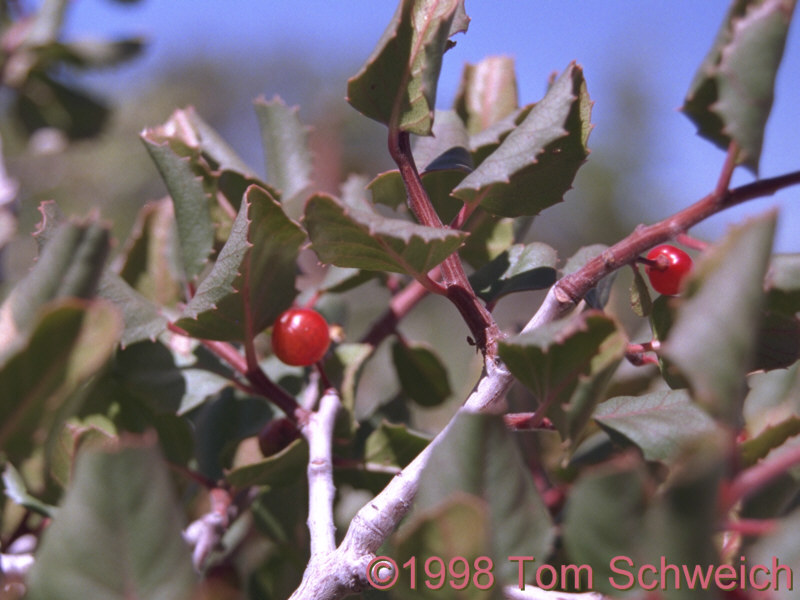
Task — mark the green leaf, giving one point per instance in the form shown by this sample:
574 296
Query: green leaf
143 320
780 553
598 296
17 491
778 343
191 198
361 238
483 143
42 384
283 468
457 532
397 84
388 189
393 445
641 303
423 377
479 457
43 102
661 423
553 359
150 261
534 166
603 519
95 431
520 268
731 95
449 134
487 93
713 339
348 362
120 521
783 284
252 280
285 142
488 238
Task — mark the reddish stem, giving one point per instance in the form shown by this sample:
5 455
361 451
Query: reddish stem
761 474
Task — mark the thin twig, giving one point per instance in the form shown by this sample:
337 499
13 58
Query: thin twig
752 480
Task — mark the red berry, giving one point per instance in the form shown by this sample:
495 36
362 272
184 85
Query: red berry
300 337
670 267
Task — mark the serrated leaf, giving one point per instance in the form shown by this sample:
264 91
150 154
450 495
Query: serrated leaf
422 376
713 339
488 238
17 491
397 84
522 267
283 468
95 431
770 438
604 518
731 95
361 238
289 161
190 197
535 164
487 92
483 143
598 296
553 359
479 457
252 280
449 134
135 550
70 265
393 445
661 423
42 383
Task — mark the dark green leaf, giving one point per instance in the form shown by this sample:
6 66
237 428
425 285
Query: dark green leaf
283 468
446 148
95 431
604 518
252 280
458 530
361 238
553 359
518 269
191 198
388 188
731 95
534 166
120 522
41 384
713 339
488 238
598 296
783 284
487 93
397 84
285 142
423 377
349 362
143 320
661 423
479 457
393 445
641 303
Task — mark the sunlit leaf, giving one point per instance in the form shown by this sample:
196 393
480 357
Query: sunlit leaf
422 376
393 445
487 92
397 84
535 164
520 268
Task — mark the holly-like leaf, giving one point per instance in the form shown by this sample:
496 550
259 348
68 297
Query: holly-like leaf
388 188
661 423
285 142
449 134
520 268
393 445
43 383
488 238
641 303
252 281
190 196
423 377
135 550
535 164
397 84
480 458
487 92
714 335
553 359
731 95
361 238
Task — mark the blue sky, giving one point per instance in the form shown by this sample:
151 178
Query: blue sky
663 39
